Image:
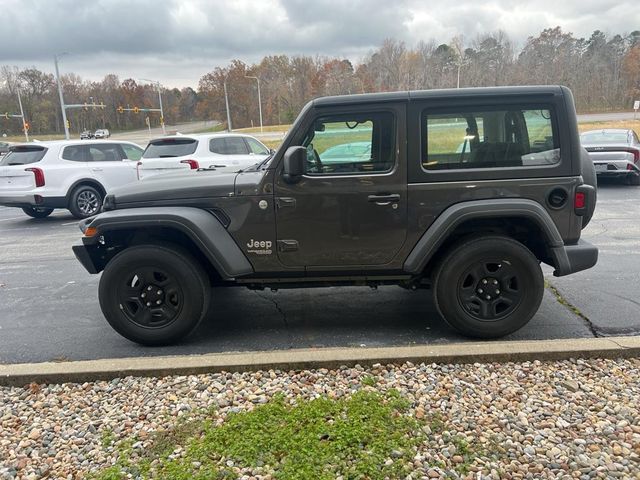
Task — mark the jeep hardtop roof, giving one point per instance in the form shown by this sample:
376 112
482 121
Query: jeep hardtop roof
438 93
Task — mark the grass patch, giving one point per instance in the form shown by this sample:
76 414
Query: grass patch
265 128
354 437
219 127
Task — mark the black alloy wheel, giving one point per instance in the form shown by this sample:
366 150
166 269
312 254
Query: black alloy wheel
488 287
150 297
154 294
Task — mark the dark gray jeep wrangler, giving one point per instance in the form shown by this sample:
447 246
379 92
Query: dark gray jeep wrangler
461 191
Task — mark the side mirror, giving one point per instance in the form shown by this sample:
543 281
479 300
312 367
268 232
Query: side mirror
295 164
272 151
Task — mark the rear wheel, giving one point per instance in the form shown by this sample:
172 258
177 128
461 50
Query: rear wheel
633 179
37 212
154 295
85 201
488 287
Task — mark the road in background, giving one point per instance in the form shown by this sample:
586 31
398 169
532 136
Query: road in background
49 307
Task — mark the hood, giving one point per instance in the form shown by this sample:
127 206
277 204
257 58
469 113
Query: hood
172 189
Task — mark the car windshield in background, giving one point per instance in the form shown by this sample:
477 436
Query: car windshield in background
170 147
23 155
604 137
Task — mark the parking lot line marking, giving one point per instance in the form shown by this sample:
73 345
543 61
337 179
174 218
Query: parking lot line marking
13 218
70 223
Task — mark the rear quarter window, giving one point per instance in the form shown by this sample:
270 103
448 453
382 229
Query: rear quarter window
23 155
228 146
490 138
170 147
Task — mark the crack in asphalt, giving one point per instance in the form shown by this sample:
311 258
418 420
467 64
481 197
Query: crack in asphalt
566 303
282 314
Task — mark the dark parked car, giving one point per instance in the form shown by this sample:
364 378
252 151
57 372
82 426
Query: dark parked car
86 135
615 153
413 209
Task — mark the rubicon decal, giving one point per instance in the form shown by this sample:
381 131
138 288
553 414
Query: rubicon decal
260 247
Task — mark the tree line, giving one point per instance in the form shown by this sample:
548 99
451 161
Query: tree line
603 72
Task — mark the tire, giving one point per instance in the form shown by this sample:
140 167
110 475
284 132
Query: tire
37 212
633 179
493 266
85 201
154 294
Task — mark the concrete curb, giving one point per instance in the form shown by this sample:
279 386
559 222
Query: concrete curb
470 352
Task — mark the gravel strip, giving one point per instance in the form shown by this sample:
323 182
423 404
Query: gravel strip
568 419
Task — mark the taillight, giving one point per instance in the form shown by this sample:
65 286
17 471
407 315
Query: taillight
38 174
636 154
193 164
580 200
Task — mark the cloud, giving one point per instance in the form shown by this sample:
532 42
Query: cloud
179 40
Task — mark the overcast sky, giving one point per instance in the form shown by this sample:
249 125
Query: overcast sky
177 41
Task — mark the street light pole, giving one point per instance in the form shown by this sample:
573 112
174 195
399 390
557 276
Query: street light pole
62 107
259 99
226 101
24 120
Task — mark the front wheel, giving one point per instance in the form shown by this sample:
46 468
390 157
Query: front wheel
37 212
488 287
154 294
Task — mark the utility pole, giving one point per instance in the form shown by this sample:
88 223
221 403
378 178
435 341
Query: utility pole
62 107
259 99
157 85
21 116
24 122
226 100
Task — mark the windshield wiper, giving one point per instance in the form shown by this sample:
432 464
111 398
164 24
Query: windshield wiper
257 165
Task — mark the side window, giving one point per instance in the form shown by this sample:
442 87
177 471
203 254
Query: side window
104 153
256 147
132 153
75 153
228 146
489 139
351 144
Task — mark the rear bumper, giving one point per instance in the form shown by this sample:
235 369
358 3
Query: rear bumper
574 258
32 200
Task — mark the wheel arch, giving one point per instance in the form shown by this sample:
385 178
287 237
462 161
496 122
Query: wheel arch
521 219
198 230
92 182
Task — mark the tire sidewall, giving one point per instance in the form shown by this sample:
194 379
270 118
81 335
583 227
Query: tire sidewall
189 275
457 262
73 203
35 212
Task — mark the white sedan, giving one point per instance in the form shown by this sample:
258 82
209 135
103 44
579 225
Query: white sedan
222 152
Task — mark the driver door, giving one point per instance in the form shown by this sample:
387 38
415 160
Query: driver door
350 207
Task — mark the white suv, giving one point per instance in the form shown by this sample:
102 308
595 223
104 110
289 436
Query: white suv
39 177
222 152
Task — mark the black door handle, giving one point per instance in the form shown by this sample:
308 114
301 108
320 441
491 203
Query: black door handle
385 199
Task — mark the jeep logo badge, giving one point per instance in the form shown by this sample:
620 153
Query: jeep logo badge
259 247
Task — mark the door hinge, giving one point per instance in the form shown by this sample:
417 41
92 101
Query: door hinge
287 245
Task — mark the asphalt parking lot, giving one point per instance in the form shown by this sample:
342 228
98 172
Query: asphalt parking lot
49 308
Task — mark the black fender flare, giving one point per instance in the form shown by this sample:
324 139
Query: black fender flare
456 214
201 226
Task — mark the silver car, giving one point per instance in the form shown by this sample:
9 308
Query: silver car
614 152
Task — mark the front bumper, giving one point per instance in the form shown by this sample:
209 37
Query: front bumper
82 254
574 258
26 200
